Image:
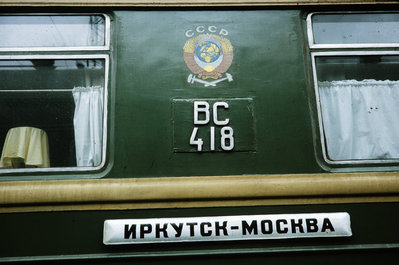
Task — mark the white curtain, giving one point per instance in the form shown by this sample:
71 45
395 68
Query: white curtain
360 119
88 125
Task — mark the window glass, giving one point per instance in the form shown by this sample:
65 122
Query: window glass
51 112
51 31
359 104
370 28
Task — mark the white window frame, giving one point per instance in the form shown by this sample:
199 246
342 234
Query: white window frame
319 109
102 52
105 112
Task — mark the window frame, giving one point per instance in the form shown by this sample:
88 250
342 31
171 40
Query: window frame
105 47
106 59
67 53
319 107
329 50
313 45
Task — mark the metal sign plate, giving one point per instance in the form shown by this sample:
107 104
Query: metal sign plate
213 125
217 228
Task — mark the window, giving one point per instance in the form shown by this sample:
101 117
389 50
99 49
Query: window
53 107
359 110
357 91
335 30
54 32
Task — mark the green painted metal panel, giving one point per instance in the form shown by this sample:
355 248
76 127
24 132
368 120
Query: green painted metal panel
268 67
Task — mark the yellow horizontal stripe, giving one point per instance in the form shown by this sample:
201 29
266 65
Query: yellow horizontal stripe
196 204
168 190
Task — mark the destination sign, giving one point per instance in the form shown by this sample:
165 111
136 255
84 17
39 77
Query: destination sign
219 228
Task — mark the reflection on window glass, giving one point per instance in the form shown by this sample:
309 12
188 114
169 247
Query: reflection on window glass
359 100
51 31
51 112
355 28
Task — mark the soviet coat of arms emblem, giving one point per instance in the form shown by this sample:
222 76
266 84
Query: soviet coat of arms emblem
208 56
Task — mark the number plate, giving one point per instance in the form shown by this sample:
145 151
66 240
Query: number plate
213 125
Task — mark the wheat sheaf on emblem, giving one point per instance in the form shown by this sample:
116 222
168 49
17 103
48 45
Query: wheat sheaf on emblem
208 56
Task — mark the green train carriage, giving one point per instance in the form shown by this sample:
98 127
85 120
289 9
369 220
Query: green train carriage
190 132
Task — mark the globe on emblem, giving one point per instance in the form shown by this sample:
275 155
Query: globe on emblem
207 51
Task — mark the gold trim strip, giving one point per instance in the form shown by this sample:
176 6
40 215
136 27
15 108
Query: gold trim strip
197 188
159 3
197 204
